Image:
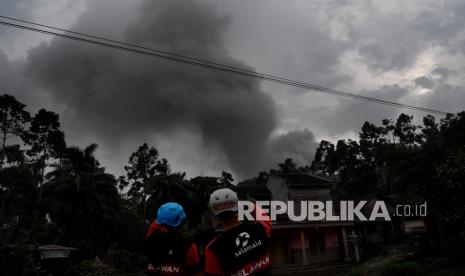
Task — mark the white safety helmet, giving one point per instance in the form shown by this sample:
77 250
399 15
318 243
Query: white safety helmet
223 200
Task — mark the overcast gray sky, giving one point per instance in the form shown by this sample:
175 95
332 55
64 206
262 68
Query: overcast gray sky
205 122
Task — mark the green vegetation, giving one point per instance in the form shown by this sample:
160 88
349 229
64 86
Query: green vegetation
413 163
354 273
51 193
401 269
54 194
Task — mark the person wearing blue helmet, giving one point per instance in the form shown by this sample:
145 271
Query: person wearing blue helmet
168 252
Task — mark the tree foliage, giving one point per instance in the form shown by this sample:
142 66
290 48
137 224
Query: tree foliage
13 120
415 163
54 194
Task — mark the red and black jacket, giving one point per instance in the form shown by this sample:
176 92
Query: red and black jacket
169 253
241 250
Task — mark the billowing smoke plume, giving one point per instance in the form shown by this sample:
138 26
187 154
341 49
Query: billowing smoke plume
300 145
116 94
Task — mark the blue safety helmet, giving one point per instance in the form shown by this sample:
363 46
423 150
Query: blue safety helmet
171 214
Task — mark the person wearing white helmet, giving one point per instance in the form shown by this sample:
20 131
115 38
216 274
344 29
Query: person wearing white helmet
242 249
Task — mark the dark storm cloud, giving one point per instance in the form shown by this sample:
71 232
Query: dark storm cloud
444 95
349 115
386 40
442 72
444 25
424 82
380 57
120 95
16 7
450 98
393 40
9 78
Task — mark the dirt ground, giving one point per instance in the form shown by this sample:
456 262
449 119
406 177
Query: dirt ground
369 267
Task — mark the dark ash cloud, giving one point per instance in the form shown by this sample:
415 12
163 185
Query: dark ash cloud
120 100
300 145
120 95
13 82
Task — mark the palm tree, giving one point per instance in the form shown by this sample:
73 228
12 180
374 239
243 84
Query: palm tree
163 188
18 198
82 199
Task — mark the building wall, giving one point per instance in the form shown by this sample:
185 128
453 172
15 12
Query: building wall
320 245
303 245
311 193
278 188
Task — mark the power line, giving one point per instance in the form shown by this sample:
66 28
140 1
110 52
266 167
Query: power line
201 63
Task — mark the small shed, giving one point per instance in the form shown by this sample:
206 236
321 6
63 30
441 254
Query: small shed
54 259
55 251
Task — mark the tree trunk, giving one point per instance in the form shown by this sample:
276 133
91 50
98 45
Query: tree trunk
3 149
12 230
1 209
41 182
441 234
